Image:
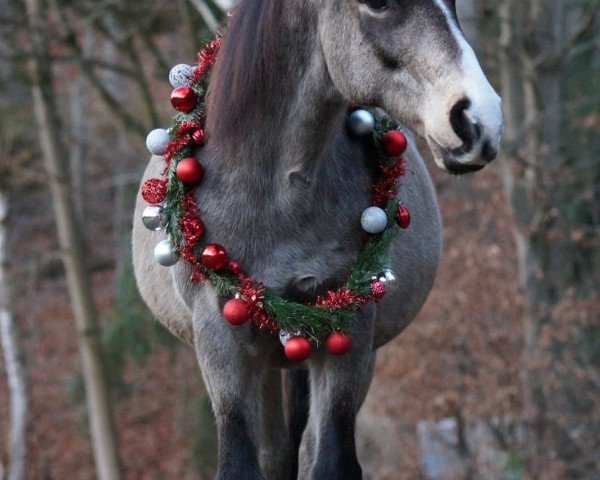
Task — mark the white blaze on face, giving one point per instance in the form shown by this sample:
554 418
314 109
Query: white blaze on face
485 104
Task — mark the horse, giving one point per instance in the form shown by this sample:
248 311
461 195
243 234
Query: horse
284 187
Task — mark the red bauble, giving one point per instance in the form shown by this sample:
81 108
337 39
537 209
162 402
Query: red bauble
297 349
189 170
403 217
234 267
338 343
154 190
184 99
377 290
214 257
198 136
394 143
236 311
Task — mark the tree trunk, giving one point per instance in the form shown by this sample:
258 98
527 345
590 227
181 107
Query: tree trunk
71 241
534 167
13 360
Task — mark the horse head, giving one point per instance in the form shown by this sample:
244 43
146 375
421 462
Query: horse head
410 58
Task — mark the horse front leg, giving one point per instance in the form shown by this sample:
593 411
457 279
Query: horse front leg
276 455
339 386
227 371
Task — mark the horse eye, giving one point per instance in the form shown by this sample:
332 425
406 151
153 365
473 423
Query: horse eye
377 5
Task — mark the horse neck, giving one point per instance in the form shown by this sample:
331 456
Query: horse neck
277 115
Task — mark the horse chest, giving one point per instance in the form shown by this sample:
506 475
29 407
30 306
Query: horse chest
300 243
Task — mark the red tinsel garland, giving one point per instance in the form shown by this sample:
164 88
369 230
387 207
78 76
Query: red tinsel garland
385 189
206 58
192 228
341 298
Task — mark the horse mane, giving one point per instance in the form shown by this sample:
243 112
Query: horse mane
246 69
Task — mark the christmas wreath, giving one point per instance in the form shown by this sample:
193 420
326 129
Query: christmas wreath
172 207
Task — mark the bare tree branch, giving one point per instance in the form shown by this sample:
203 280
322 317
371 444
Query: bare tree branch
13 360
205 12
225 5
551 59
71 241
25 56
113 104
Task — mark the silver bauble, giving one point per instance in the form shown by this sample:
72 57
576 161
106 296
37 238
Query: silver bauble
180 75
361 123
374 220
284 336
388 277
157 141
153 218
165 254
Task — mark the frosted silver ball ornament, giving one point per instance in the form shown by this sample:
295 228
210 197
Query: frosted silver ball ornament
153 218
157 141
361 123
374 220
388 277
284 336
165 254
180 75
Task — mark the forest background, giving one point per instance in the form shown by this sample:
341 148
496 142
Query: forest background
498 378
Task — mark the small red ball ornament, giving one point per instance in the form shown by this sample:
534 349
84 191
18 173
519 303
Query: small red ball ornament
189 170
338 343
198 136
297 349
154 190
236 311
214 257
394 143
234 267
403 217
184 99
377 290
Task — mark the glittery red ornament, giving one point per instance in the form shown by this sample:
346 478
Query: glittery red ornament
189 170
394 143
297 349
236 311
154 190
377 290
338 343
214 256
198 136
184 99
403 217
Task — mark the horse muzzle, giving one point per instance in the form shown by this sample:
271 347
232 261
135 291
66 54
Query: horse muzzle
480 142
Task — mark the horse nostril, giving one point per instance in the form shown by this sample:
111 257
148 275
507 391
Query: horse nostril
488 152
468 131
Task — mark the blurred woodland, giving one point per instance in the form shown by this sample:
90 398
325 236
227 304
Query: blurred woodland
498 378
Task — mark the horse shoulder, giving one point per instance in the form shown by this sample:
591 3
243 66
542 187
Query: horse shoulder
414 255
155 282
